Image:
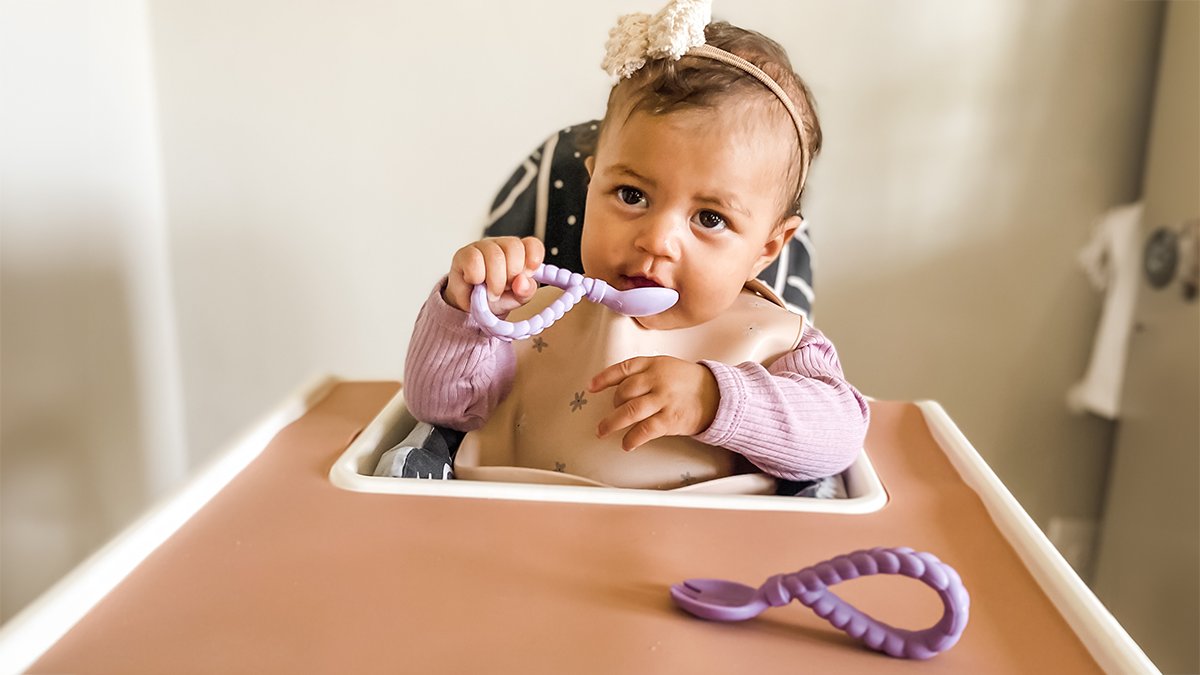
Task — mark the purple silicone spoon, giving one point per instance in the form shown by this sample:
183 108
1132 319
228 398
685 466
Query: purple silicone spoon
633 302
720 600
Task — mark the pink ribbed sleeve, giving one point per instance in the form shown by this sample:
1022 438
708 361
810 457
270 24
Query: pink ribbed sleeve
797 419
454 375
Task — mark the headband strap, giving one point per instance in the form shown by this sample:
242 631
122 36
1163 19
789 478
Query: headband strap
711 52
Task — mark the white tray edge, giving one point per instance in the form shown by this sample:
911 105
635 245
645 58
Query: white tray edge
1105 639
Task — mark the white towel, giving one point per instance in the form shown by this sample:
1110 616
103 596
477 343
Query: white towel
1112 261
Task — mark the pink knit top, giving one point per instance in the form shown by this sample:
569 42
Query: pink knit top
796 419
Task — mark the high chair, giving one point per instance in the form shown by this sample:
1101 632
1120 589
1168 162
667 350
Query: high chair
286 554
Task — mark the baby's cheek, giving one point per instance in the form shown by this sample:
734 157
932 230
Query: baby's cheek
595 257
711 300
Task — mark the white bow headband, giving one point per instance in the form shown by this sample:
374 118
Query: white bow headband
676 30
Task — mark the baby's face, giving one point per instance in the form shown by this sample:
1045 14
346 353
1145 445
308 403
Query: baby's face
690 200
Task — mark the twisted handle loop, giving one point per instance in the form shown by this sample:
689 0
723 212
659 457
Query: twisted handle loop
576 287
811 587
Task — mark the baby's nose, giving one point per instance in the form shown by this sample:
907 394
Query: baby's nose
659 237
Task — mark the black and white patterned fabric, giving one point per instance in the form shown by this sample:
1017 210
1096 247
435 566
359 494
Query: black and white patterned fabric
829 487
426 452
545 198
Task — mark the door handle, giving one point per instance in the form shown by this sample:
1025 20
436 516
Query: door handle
1171 252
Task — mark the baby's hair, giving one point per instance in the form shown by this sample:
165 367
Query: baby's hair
663 86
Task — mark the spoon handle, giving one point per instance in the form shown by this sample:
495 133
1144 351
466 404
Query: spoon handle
576 287
811 587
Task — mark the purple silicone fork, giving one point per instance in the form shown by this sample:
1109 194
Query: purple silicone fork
633 302
730 601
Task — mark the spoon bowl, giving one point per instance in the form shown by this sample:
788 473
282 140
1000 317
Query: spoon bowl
643 301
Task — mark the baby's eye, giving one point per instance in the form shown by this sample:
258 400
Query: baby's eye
631 196
711 220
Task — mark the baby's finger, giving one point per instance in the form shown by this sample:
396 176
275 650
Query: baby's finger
496 267
523 287
645 431
505 304
632 387
514 256
619 371
535 252
469 264
628 413
466 270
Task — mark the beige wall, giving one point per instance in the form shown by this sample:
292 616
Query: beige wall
321 161
969 153
90 395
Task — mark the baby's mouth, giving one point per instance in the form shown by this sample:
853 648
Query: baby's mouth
638 282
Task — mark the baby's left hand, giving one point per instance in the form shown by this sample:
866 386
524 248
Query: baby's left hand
659 396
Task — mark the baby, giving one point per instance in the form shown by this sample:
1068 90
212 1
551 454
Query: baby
695 185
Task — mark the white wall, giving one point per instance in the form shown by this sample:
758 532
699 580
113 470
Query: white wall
90 396
322 164
322 161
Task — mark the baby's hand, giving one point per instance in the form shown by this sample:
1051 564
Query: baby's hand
659 396
506 264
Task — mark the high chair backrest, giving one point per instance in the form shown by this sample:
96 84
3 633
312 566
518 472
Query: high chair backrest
545 198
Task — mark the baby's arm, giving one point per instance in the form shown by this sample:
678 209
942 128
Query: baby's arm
455 376
797 419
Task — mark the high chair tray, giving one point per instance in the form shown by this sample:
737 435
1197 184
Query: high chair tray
262 564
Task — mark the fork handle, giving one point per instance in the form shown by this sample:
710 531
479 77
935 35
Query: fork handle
811 587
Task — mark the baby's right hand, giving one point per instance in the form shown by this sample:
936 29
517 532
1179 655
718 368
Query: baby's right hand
505 264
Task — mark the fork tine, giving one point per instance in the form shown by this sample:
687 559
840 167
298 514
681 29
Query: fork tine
686 591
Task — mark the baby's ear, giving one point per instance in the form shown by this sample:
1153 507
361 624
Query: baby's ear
781 235
590 163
